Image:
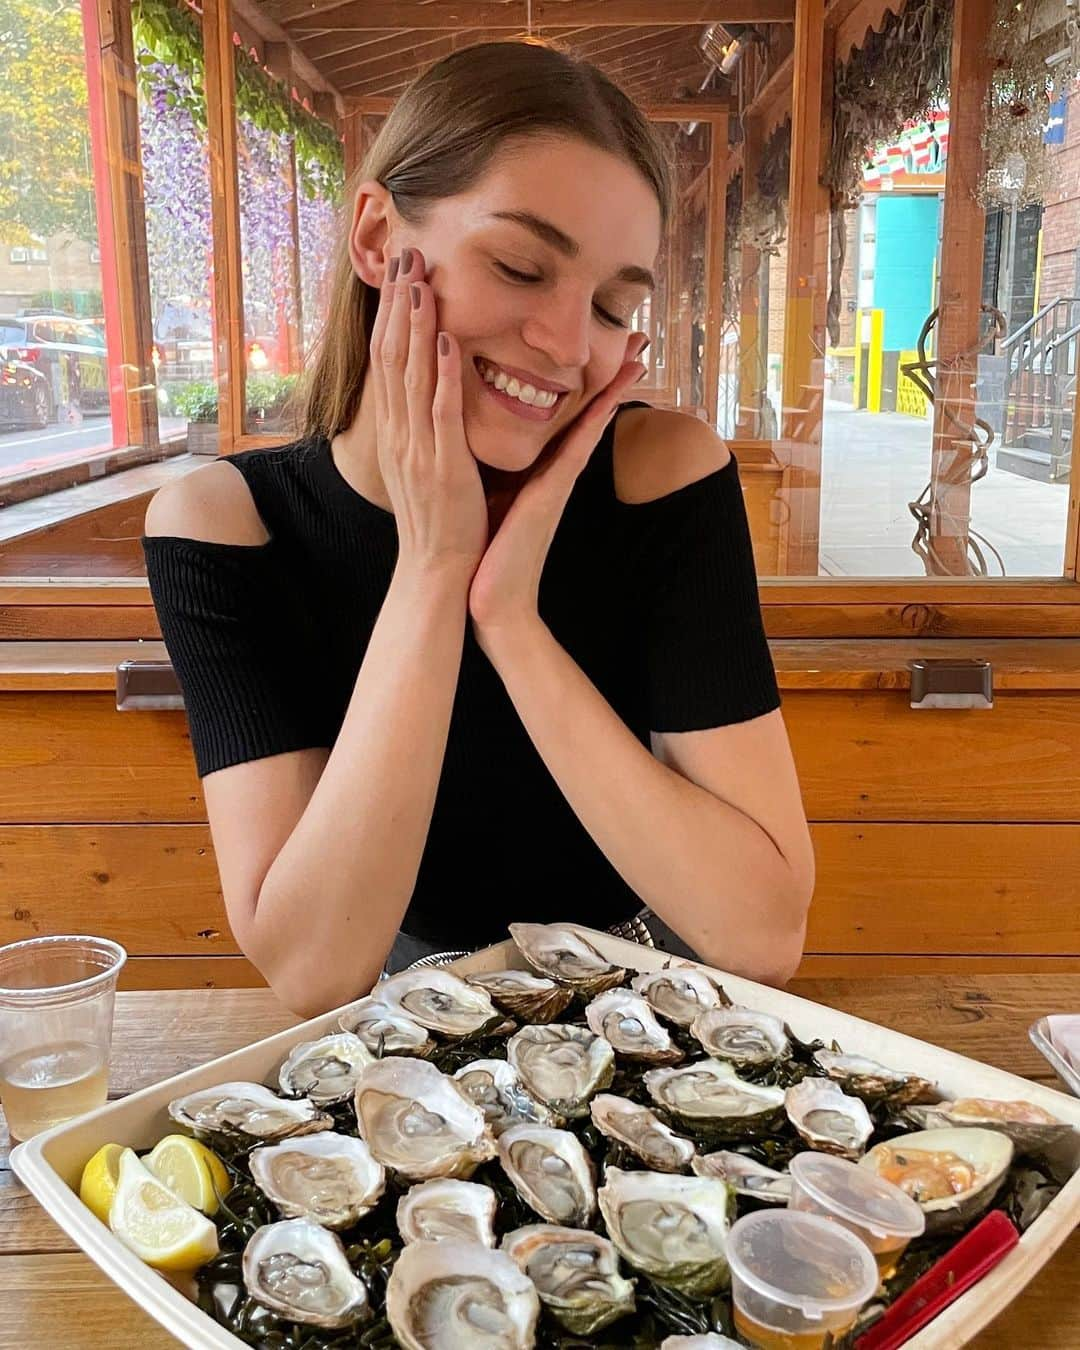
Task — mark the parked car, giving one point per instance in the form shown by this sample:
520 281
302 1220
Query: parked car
69 352
183 342
25 400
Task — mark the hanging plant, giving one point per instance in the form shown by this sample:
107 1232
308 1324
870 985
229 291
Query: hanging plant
763 218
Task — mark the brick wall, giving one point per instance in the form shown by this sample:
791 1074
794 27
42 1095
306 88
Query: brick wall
1061 216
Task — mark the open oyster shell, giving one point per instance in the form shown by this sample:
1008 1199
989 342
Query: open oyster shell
827 1118
530 998
384 1031
709 1340
564 1066
680 993
447 1210
742 1036
745 1176
460 1296
325 1071
643 1133
299 1270
438 1000
496 1088
561 953
873 1082
1031 1129
709 1098
953 1174
576 1274
551 1171
247 1108
418 1122
627 1022
331 1179
673 1228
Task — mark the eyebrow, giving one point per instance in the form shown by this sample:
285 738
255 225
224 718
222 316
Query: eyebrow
570 248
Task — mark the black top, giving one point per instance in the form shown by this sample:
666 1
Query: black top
656 602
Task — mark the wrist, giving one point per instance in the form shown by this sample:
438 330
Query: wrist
446 582
501 640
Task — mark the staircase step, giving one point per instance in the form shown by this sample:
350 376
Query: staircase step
1025 462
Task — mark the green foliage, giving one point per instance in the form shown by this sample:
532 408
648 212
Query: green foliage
79 304
266 396
197 402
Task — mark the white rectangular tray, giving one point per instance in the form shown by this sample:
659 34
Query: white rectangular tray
51 1163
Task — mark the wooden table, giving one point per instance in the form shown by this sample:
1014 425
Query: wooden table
56 1299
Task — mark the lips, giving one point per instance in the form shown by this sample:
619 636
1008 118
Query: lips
522 376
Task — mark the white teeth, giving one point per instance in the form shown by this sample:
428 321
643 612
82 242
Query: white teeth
525 393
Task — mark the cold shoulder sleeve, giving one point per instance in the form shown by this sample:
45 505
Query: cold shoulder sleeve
707 659
224 613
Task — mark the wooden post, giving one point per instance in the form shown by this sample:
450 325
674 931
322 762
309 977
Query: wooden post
752 373
803 374
716 224
225 217
959 320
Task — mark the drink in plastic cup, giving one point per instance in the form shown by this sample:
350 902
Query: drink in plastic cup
867 1205
796 1279
56 1017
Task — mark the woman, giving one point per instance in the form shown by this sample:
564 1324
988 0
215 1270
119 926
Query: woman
468 651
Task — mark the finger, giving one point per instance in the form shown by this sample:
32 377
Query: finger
378 331
451 447
420 365
393 354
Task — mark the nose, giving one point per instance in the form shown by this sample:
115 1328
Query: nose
559 327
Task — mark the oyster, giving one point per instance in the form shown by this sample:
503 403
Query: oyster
746 1176
673 1228
626 1021
954 1174
575 1273
708 1096
742 1036
299 1270
562 1065
460 1296
873 1082
659 1147
561 953
418 1121
496 1088
680 993
442 1209
551 1171
250 1109
709 1340
385 1032
532 998
827 1118
329 1178
438 1001
325 1071
1031 1129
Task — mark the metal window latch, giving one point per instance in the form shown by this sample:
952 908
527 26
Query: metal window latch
147 686
952 684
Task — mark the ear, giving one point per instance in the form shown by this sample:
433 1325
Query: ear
370 235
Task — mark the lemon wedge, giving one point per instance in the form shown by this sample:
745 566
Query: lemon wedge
159 1227
98 1184
190 1170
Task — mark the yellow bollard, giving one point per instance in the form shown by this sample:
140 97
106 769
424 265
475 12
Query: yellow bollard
875 361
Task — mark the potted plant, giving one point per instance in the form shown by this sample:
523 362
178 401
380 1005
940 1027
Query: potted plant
268 399
199 404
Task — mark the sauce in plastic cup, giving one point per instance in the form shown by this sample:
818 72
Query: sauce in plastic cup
796 1279
56 1019
867 1205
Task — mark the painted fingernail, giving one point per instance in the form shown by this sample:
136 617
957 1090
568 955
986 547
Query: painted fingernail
444 345
394 268
645 344
406 262
414 296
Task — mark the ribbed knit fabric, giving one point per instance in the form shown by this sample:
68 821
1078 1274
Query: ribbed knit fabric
656 602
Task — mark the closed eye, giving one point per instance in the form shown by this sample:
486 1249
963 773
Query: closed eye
526 277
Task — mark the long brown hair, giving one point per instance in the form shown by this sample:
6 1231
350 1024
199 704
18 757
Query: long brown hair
437 142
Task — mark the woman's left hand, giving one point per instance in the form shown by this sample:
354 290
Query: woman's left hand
505 588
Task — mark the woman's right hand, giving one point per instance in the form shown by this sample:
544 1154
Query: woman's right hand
429 471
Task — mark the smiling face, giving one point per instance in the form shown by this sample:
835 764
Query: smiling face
537 271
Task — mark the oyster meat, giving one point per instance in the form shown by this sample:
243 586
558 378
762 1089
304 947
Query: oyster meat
643 1133
248 1108
329 1178
742 1036
1031 1129
626 1021
564 1066
953 1174
438 1000
576 1274
325 1071
383 1031
873 1082
551 1171
709 1097
530 998
673 1228
827 1118
745 1176
299 1270
561 953
460 1296
418 1122
445 1209
680 993
496 1088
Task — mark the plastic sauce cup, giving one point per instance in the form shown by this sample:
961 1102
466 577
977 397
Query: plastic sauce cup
867 1205
56 1020
796 1279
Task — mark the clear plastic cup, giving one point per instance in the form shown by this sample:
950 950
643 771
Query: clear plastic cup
56 1019
867 1205
796 1279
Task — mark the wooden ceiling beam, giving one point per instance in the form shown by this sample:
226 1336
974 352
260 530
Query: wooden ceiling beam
327 45
692 110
